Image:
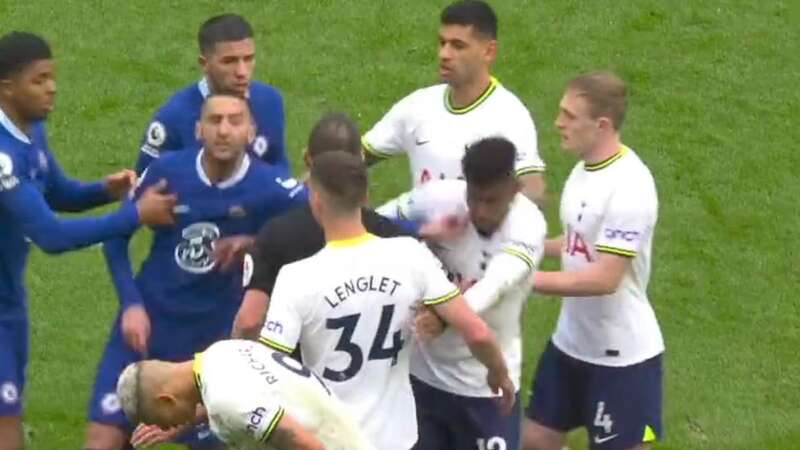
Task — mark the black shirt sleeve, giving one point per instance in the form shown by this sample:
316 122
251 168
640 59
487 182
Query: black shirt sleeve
267 254
381 226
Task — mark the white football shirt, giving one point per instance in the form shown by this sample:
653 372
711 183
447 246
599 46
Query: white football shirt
610 207
497 267
247 388
350 307
434 134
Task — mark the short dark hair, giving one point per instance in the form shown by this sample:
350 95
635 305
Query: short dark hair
606 94
20 48
342 177
475 13
334 132
222 28
489 160
229 95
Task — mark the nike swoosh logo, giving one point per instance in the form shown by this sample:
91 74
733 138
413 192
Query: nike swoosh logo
418 142
599 440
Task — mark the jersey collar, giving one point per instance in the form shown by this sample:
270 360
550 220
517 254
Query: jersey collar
493 84
352 242
197 369
202 86
603 164
12 129
224 184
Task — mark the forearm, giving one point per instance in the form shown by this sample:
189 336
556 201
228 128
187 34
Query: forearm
484 348
553 247
250 318
119 267
503 272
76 196
580 283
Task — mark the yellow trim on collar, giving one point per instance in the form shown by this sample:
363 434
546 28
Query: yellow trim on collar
603 164
493 84
197 368
352 242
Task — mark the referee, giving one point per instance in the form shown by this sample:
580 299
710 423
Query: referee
297 235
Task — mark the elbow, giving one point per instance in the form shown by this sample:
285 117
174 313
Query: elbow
51 244
479 335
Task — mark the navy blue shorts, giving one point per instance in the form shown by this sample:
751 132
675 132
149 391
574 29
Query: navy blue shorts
13 363
171 339
619 406
448 421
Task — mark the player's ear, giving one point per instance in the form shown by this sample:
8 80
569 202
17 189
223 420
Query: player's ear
198 133
491 51
202 61
307 159
166 400
605 124
5 87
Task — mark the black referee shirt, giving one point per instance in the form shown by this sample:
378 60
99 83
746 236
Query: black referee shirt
297 235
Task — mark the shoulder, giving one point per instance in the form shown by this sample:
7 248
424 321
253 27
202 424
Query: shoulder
526 220
510 99
187 99
423 97
265 92
287 227
634 174
263 173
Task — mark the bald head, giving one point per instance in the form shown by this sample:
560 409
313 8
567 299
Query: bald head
153 392
334 132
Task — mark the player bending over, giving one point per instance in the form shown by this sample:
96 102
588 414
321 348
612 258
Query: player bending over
253 398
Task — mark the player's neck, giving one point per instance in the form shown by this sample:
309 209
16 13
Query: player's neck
341 228
15 118
603 151
187 388
218 171
466 94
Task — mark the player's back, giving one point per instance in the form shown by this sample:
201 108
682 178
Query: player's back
180 273
359 298
247 387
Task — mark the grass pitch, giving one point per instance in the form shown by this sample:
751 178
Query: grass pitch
713 100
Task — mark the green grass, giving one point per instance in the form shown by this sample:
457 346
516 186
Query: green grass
714 96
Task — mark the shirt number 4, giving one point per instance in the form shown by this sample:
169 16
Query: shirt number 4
377 350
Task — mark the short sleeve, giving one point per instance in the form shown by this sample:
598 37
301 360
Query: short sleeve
629 220
526 241
389 137
284 322
267 258
435 287
246 419
522 133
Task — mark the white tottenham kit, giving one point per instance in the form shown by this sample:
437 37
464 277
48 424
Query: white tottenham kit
350 308
247 389
497 267
610 207
434 134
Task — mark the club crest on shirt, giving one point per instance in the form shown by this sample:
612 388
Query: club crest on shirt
195 252
260 145
7 178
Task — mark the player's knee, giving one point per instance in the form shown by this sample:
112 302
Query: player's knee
538 437
105 437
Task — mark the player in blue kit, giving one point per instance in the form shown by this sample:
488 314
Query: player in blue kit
32 186
228 57
181 301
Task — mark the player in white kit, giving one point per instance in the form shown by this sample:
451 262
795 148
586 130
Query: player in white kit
492 260
602 369
434 125
350 308
254 398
